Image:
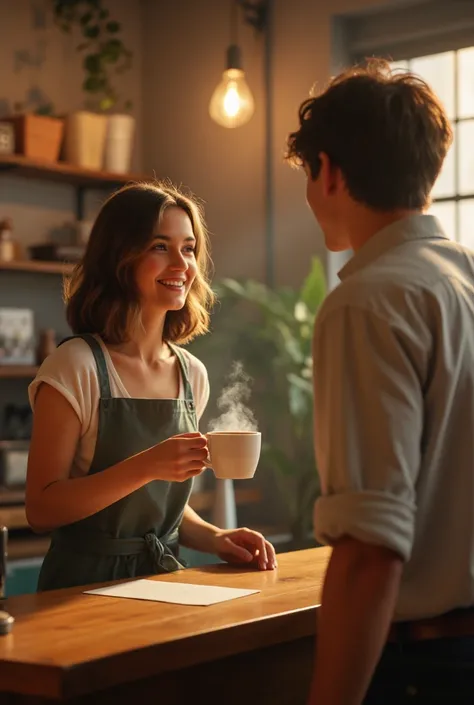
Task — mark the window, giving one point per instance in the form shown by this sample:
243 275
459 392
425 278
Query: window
439 35
451 76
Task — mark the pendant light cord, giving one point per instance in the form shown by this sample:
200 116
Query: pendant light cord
234 22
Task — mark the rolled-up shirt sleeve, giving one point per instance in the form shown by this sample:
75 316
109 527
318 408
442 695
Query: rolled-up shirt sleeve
368 415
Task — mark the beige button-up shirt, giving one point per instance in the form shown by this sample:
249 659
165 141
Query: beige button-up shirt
394 410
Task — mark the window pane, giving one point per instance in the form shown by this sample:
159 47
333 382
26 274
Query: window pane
465 136
445 184
438 71
466 223
466 82
446 214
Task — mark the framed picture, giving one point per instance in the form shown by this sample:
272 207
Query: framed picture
7 138
17 340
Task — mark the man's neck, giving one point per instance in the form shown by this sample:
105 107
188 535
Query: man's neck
366 223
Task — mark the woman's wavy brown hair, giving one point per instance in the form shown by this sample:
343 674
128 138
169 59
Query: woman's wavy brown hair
101 294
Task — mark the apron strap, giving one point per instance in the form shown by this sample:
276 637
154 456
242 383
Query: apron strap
103 374
188 390
99 357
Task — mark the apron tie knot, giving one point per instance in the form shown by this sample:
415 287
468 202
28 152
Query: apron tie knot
163 558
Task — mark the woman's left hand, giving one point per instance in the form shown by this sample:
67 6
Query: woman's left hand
240 546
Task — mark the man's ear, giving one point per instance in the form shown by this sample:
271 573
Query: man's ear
329 174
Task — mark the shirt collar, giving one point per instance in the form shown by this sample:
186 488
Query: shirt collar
411 228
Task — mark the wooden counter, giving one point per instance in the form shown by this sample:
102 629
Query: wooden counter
76 648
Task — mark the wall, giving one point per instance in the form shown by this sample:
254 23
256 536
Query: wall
308 49
184 56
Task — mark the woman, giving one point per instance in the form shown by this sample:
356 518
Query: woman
115 442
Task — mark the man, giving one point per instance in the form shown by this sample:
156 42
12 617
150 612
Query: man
394 399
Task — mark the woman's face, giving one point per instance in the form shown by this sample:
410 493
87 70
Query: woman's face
166 271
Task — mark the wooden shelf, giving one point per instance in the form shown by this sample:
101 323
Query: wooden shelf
38 266
13 517
16 371
9 497
18 165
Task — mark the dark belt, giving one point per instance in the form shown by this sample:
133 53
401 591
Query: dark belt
161 554
457 623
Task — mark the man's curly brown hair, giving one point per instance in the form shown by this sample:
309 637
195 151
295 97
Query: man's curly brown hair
385 129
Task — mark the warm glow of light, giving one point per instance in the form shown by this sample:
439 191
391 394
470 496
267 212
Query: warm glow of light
232 103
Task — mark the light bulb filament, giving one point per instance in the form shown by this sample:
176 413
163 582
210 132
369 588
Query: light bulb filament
232 102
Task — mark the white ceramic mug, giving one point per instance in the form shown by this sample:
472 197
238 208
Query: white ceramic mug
234 454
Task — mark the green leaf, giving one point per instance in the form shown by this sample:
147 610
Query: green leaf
91 32
303 384
313 290
268 300
278 459
107 103
92 63
298 401
86 18
301 312
306 332
113 27
46 109
94 84
111 50
233 286
291 344
300 394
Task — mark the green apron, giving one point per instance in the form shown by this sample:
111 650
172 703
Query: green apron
138 535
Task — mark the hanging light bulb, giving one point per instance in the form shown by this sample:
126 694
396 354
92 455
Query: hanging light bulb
232 103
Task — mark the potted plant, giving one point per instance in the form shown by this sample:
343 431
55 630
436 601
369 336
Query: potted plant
97 137
38 134
270 331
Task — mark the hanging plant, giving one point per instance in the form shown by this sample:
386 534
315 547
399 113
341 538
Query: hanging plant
104 52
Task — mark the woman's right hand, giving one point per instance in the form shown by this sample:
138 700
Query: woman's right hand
178 458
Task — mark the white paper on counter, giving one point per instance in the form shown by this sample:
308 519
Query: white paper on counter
177 593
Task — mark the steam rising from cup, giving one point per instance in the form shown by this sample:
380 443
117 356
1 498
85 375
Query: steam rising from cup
235 415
